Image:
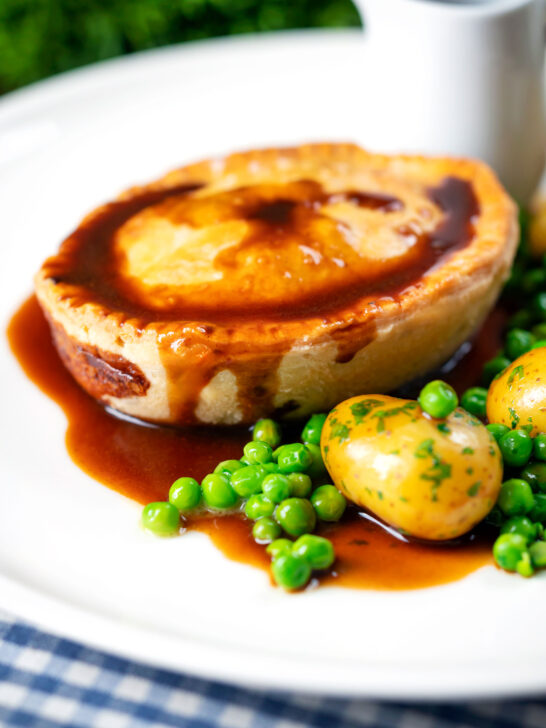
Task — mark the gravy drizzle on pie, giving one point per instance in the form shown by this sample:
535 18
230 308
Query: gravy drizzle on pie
284 221
280 218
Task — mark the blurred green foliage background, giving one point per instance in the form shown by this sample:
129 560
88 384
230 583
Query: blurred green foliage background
41 37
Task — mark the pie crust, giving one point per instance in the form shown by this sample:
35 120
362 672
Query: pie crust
277 282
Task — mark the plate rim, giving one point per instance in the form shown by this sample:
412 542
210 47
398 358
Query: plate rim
115 636
78 79
145 644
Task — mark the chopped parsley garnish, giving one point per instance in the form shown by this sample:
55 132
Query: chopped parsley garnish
474 488
438 471
340 431
381 415
363 408
516 372
515 417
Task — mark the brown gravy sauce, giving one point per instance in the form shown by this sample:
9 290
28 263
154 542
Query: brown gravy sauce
142 461
283 220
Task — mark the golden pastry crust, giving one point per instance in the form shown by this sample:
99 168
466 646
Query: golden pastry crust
279 281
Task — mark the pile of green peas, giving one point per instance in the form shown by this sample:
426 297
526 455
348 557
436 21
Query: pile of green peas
282 488
520 512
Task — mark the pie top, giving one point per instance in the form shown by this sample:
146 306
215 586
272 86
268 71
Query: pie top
283 244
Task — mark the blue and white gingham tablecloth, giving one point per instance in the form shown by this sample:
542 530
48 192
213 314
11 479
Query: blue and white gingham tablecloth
46 681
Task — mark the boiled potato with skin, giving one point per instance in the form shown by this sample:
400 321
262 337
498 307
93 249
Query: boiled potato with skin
429 478
518 397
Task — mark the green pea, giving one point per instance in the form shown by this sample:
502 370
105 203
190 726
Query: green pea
276 487
245 461
258 452
539 344
279 546
228 467
258 506
217 491
522 526
539 330
300 484
266 530
520 320
494 366
294 458
474 400
538 512
518 342
318 551
291 571
537 552
533 280
248 480
313 429
267 431
508 550
539 447
271 467
535 475
516 497
524 567
497 430
538 305
296 516
516 447
438 399
317 469
185 494
328 503
161 518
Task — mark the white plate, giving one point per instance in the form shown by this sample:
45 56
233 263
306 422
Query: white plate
72 557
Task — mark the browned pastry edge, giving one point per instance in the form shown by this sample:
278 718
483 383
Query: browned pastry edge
101 373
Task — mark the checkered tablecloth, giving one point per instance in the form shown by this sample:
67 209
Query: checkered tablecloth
46 681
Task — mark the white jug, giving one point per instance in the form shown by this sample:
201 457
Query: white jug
461 77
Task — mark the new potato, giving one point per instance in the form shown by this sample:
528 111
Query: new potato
518 397
429 478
